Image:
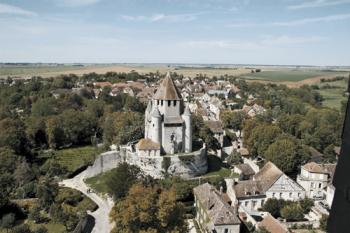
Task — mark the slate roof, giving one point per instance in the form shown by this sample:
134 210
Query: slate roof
215 126
248 188
217 209
313 167
268 175
246 169
147 144
167 90
272 225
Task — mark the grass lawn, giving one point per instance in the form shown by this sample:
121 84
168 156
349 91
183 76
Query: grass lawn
333 96
50 226
290 75
98 182
73 158
216 167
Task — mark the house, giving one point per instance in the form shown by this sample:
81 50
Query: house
254 110
102 84
314 178
215 104
272 225
268 182
244 170
213 213
217 129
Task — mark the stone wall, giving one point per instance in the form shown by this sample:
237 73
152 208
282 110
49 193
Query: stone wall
186 165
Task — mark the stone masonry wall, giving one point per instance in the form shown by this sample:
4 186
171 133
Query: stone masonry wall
186 165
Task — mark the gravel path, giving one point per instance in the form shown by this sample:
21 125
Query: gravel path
101 215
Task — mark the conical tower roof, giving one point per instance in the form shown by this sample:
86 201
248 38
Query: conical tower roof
167 90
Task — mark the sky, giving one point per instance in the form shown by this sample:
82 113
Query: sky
271 32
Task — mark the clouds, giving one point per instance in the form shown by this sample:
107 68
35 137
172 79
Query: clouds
76 3
293 23
317 4
323 19
264 42
14 10
162 17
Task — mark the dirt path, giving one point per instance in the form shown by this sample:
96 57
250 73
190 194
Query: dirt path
101 215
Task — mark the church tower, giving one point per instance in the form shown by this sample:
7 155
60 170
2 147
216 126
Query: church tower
166 121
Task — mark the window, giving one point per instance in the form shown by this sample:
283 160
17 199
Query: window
280 195
157 102
226 230
273 194
161 102
169 102
319 185
290 195
254 204
312 184
262 202
298 194
246 203
174 102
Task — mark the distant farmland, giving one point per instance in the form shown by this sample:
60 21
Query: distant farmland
289 75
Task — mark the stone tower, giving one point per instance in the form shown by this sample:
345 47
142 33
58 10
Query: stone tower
166 120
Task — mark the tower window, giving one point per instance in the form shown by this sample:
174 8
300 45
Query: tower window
157 102
161 102
169 102
174 102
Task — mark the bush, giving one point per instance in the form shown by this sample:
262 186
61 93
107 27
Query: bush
34 214
292 212
323 222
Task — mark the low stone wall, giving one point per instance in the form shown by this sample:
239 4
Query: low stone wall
186 165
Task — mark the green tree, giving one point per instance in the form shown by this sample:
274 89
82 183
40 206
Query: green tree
233 120
121 179
292 212
261 138
323 222
123 127
149 209
23 228
41 229
8 221
43 107
13 135
54 132
306 204
46 192
287 153
35 215
274 206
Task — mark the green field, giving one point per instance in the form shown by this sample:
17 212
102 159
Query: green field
73 158
98 182
290 75
32 70
333 96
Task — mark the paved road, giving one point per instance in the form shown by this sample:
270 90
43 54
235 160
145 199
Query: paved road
101 215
